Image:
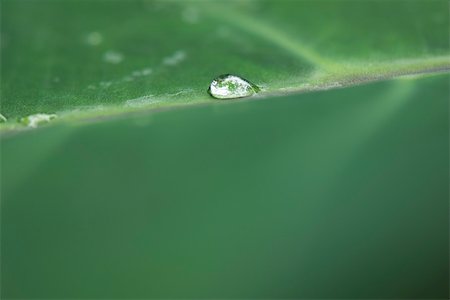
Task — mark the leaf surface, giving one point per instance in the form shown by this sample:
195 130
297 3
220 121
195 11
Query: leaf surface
316 195
97 58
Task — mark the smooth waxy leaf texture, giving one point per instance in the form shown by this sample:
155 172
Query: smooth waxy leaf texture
102 57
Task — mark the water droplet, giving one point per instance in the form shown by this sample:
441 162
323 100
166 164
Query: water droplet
37 119
231 86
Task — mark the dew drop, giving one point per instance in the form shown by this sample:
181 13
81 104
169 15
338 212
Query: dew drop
231 86
37 119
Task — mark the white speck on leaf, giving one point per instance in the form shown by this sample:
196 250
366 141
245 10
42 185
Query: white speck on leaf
37 119
141 101
113 57
94 38
143 72
175 58
146 71
182 92
105 84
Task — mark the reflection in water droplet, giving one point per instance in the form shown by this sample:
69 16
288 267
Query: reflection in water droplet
37 119
230 86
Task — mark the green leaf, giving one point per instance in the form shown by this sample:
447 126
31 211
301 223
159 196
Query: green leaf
317 195
85 59
333 193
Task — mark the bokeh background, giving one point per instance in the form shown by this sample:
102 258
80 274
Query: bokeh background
339 193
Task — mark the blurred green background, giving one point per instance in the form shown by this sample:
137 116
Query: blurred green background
337 194
341 193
